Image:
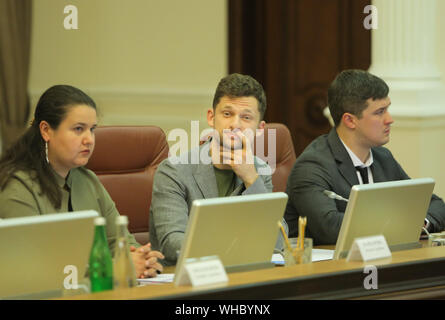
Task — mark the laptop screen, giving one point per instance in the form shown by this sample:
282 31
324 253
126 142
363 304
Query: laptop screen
37 251
395 209
240 230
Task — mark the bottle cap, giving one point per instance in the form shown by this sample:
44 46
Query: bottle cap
122 220
99 221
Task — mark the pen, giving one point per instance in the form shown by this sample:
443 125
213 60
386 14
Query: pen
299 234
301 228
286 239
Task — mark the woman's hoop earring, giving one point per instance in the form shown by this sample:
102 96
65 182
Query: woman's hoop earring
46 151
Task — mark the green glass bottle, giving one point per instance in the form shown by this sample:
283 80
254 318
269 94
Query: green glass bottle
123 269
101 263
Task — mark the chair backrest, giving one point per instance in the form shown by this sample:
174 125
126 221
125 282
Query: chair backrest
285 154
125 159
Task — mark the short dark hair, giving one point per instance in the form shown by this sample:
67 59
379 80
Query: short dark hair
28 152
240 85
350 91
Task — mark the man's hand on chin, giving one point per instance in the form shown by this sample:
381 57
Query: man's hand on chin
241 160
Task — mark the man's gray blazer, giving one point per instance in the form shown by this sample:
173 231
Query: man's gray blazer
177 182
326 165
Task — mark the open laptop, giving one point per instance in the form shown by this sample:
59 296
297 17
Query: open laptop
394 209
34 252
242 230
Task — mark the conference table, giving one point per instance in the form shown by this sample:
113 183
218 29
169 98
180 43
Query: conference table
409 274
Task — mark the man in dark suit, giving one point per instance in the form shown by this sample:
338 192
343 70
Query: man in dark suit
350 154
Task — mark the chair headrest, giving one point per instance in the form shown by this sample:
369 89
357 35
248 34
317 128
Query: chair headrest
123 149
283 139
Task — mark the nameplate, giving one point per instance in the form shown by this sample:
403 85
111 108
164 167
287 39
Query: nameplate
203 271
369 248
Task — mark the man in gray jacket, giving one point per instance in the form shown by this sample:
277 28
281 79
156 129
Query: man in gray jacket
223 166
350 154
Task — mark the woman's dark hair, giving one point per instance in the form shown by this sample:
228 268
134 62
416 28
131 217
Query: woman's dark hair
28 152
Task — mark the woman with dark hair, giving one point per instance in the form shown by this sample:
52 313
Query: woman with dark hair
43 171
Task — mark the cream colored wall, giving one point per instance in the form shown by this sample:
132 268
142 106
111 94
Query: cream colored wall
419 146
144 62
440 36
419 143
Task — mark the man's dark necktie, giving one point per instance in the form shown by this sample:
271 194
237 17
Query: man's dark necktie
364 173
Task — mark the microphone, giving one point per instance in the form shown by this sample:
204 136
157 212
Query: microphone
333 195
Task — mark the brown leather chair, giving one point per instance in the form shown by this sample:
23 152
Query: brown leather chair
125 159
285 154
